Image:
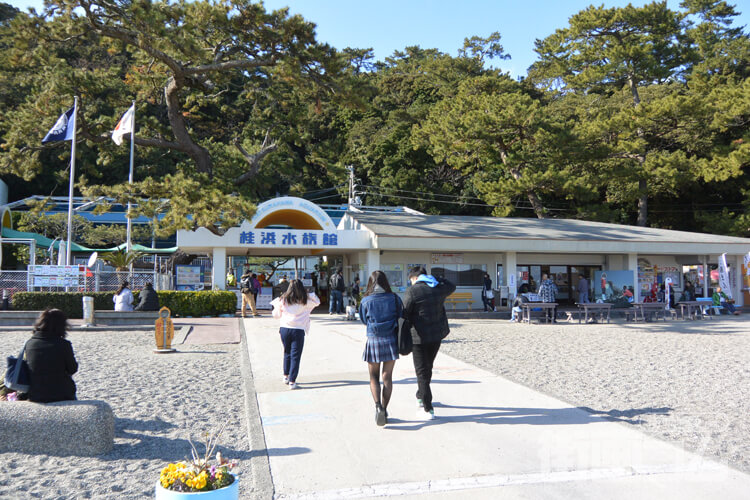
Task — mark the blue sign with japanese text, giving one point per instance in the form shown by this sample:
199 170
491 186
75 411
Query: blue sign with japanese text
291 238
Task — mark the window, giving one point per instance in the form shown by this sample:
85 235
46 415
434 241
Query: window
461 274
395 275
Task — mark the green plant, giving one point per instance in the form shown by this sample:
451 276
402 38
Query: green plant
204 303
120 259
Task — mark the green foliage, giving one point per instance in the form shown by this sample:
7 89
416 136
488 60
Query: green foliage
204 303
71 303
634 114
120 259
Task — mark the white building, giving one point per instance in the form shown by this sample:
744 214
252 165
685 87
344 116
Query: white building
512 251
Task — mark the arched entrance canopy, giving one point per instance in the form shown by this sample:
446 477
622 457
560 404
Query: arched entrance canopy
295 213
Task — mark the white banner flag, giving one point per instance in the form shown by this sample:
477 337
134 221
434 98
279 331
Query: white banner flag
747 264
724 282
125 126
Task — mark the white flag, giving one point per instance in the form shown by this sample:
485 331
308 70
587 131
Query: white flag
62 253
724 283
125 126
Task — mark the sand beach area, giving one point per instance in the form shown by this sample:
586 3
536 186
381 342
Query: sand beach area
682 381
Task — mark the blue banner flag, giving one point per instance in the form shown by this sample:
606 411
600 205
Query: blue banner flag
63 129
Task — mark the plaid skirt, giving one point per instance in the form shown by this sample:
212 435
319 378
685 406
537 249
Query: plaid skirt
379 349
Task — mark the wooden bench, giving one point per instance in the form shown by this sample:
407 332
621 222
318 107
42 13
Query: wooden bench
460 298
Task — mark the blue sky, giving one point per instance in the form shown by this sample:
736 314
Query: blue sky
389 25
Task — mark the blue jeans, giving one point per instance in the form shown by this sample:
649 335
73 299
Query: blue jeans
729 307
336 302
293 340
583 297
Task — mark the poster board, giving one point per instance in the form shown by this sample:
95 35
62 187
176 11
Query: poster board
188 278
56 276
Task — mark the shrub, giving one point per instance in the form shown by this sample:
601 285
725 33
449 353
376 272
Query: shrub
71 303
205 303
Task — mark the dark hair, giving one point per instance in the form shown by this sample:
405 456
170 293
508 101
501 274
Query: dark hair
254 276
148 285
377 278
123 286
295 293
51 323
416 271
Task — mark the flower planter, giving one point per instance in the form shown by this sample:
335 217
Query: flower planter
231 492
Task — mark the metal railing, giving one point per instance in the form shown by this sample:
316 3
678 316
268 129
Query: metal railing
92 281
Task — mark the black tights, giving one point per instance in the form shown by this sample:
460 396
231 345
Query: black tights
374 369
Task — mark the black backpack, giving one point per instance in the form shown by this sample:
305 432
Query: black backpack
246 284
337 282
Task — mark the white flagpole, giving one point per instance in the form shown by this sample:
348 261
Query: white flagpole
129 245
72 180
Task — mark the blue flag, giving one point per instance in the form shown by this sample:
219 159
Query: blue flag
63 129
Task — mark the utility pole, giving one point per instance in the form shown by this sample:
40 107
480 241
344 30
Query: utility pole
350 169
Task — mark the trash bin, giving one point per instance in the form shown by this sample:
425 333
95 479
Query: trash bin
88 310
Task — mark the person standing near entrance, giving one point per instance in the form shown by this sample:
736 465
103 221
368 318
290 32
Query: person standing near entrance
547 293
246 288
488 296
293 309
336 287
255 282
380 310
424 307
583 289
355 290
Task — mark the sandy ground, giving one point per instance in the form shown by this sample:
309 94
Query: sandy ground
685 381
159 401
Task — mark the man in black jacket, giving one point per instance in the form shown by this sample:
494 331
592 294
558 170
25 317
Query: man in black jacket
424 308
149 299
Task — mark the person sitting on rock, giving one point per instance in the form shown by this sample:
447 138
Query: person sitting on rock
51 360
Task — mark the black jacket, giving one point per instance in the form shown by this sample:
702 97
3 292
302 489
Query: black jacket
149 300
52 364
424 308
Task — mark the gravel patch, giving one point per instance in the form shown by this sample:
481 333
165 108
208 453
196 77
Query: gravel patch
159 402
683 381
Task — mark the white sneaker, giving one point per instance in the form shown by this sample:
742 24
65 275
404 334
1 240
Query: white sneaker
425 415
286 380
292 385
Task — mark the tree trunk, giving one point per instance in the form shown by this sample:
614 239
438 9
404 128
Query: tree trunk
199 155
536 203
642 202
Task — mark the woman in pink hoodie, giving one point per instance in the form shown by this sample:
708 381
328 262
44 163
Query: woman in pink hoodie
293 309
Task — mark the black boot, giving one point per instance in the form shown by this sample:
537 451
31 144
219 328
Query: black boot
380 417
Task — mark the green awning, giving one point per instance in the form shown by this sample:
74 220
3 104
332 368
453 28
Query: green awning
44 242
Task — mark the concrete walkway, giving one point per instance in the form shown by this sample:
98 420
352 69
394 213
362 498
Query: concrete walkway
492 438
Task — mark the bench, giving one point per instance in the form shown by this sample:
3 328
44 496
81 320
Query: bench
79 428
707 306
460 298
101 317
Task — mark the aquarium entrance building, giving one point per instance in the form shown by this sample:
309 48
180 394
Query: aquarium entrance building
513 251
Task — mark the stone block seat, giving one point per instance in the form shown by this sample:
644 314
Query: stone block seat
101 317
79 428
